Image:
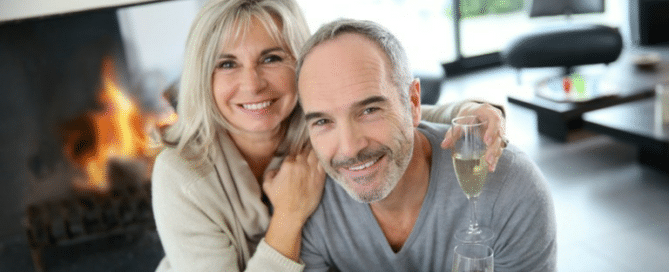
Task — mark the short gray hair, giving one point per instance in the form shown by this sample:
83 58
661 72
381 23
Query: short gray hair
391 46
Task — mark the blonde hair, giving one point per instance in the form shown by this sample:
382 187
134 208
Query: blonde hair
200 121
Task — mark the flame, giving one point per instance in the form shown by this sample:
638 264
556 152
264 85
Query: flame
117 131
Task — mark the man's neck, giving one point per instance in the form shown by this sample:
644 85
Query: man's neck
398 212
412 187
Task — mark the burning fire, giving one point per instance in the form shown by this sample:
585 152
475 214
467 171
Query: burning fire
117 131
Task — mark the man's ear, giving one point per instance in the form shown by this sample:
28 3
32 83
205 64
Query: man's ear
414 98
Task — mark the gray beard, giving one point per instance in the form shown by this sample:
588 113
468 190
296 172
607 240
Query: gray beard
400 160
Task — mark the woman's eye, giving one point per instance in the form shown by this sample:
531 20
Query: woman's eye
272 58
225 65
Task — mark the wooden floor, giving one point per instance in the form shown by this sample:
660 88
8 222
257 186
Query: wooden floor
612 212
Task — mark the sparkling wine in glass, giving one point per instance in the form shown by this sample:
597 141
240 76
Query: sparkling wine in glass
471 170
473 258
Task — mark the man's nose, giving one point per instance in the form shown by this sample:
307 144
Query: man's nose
252 80
351 140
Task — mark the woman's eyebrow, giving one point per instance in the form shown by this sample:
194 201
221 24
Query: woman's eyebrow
226 56
264 52
269 50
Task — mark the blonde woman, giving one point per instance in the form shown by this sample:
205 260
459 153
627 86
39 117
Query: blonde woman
236 183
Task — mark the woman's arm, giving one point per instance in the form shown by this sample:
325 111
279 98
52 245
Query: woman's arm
198 227
295 191
444 113
494 135
193 238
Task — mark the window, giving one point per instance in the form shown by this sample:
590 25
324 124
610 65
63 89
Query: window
423 26
427 28
487 25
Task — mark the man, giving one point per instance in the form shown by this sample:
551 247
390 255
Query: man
392 201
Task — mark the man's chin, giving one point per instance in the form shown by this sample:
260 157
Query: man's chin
364 195
363 189
366 198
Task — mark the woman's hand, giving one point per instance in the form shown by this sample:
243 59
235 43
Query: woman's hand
494 134
295 190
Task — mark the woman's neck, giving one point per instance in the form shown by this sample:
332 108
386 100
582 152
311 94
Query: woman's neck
258 149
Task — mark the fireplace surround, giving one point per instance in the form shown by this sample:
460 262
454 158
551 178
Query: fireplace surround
51 67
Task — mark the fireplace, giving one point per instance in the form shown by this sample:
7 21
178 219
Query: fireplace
69 176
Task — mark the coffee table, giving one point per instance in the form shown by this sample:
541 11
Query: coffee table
635 123
627 83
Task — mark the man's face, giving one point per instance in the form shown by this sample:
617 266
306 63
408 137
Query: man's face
360 128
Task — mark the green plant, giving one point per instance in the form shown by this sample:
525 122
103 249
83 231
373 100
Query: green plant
475 8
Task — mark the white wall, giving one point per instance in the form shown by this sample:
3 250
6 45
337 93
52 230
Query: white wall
154 41
21 9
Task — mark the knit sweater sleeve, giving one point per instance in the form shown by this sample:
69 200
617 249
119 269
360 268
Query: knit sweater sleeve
267 258
444 113
197 227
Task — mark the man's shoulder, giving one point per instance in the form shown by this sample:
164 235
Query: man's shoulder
335 206
433 131
334 199
518 177
515 161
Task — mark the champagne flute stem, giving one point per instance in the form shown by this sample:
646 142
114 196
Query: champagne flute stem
473 221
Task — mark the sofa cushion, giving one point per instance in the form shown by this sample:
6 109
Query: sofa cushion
567 46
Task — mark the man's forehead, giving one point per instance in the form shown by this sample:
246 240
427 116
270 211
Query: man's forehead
338 74
346 61
342 54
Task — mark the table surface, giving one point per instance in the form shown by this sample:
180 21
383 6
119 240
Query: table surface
622 79
633 121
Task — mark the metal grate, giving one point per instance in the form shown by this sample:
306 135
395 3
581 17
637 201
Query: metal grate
79 219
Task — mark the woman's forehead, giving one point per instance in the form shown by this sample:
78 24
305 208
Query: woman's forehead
247 23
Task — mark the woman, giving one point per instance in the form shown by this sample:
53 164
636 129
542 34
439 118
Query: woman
240 130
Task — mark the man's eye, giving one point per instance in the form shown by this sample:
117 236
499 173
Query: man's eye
225 65
319 122
272 58
370 110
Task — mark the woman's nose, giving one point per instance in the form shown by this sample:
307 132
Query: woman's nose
252 80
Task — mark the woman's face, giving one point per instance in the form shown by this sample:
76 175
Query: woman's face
254 81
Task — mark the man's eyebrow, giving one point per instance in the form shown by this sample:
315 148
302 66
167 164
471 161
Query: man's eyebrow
370 100
313 115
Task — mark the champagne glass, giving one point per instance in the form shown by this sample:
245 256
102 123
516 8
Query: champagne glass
471 170
473 258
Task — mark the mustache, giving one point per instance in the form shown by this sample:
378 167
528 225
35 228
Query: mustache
362 156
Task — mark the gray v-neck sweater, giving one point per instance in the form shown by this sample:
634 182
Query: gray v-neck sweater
515 203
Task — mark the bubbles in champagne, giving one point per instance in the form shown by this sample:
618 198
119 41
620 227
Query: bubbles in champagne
471 173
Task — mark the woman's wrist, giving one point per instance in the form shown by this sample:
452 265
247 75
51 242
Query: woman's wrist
284 234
